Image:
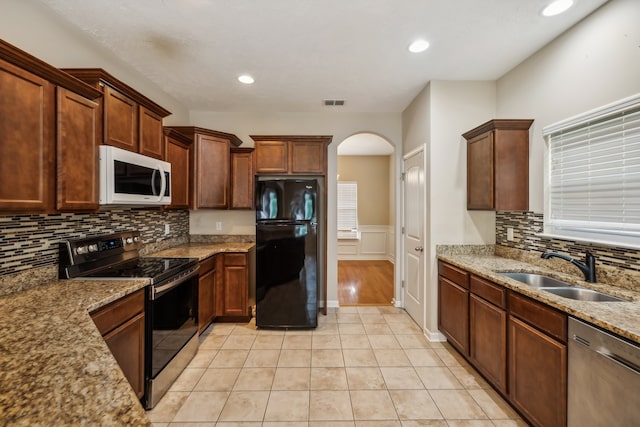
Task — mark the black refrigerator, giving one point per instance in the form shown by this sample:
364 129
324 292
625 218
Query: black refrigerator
286 253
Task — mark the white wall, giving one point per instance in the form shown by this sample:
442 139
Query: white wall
33 28
340 125
438 117
594 63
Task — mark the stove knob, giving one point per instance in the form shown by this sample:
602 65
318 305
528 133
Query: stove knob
93 248
80 250
129 240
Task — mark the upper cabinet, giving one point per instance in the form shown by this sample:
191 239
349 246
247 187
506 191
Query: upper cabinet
130 120
291 155
210 175
177 151
498 165
242 177
48 128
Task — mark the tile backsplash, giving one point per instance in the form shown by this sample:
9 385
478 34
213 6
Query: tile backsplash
30 241
527 225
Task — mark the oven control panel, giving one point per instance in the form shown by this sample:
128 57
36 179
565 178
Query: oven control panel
95 249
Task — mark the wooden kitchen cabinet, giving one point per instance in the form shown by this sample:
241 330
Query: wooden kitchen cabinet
178 152
77 152
121 324
26 140
232 290
488 331
242 178
130 120
538 361
498 165
291 155
34 125
206 292
211 160
453 305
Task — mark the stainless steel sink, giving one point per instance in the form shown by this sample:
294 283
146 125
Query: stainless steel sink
582 294
536 280
560 288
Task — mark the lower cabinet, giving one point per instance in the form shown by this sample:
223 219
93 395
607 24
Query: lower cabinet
232 290
538 362
121 324
516 343
206 292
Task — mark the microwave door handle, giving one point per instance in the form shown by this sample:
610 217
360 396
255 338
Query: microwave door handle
153 181
163 182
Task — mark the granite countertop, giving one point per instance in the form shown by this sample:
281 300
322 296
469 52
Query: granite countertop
55 368
622 318
203 250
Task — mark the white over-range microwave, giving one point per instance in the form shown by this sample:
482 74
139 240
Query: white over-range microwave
128 178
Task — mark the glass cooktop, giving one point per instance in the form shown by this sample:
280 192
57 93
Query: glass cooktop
156 269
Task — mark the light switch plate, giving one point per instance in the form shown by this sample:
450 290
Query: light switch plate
510 234
218 226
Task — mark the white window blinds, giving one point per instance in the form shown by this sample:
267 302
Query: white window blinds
594 174
347 206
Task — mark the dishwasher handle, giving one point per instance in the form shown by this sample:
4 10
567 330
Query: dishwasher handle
620 361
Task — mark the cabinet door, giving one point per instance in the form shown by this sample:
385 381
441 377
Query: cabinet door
77 152
232 300
480 172
453 313
150 134
120 120
26 141
488 340
206 304
537 375
307 158
271 157
178 154
212 172
242 176
126 343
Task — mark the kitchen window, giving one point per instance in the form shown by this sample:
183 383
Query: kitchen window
348 210
593 191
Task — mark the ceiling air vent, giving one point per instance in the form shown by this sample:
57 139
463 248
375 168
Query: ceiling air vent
333 102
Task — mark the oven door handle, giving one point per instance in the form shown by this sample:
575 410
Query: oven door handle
157 291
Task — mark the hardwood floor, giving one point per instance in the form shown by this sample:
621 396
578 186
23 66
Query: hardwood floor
365 282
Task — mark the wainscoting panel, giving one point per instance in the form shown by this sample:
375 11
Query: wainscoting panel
375 243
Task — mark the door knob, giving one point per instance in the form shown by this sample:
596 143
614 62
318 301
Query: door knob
419 249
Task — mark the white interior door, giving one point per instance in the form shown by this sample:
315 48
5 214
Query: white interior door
413 237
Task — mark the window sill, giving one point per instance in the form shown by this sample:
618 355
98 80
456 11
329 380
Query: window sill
348 235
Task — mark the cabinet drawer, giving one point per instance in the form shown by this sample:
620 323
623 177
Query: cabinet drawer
455 274
118 312
235 259
207 265
495 294
539 315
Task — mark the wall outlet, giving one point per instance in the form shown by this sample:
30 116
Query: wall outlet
218 226
167 228
510 234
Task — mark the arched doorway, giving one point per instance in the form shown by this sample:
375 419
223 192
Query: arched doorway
366 217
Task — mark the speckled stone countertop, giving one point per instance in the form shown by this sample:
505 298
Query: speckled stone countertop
203 250
55 368
622 318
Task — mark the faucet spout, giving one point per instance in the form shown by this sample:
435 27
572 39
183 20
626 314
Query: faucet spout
588 268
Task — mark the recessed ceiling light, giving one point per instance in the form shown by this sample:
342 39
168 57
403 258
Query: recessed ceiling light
246 79
419 46
557 7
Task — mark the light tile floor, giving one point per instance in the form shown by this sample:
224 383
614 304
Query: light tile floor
362 367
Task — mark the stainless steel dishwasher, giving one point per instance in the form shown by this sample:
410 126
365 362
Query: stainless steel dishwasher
603 378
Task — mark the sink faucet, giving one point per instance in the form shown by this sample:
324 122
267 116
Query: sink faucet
588 268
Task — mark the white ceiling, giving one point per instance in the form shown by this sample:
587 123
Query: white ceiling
303 51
